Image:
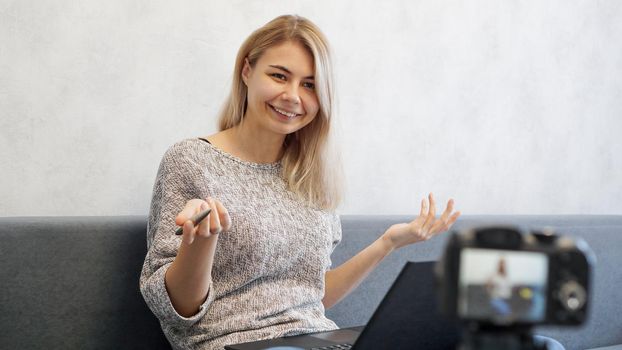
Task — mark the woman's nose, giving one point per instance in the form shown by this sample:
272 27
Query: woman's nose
291 93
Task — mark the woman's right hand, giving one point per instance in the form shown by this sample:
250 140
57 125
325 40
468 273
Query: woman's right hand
216 222
188 278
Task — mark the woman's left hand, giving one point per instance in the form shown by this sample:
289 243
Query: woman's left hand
424 227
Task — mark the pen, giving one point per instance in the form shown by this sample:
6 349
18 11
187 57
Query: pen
196 219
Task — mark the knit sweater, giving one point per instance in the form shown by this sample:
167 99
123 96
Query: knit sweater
268 271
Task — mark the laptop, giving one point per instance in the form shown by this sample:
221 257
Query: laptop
407 318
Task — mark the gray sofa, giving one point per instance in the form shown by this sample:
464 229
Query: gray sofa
72 282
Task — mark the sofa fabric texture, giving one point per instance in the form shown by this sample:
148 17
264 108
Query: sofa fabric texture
72 282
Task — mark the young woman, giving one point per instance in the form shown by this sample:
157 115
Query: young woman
259 265
499 288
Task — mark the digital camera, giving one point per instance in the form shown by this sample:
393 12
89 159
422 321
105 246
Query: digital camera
500 281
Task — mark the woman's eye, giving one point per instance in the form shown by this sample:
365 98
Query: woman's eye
309 86
278 76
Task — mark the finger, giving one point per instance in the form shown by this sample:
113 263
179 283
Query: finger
203 228
424 208
189 228
448 210
225 219
215 227
189 232
429 221
423 214
445 226
441 224
186 213
432 211
453 219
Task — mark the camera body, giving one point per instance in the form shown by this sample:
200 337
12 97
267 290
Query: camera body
500 277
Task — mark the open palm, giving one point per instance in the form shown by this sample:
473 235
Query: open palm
424 227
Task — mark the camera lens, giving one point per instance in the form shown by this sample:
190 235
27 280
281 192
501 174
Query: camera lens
572 296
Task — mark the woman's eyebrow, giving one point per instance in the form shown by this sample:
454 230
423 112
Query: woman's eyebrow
288 71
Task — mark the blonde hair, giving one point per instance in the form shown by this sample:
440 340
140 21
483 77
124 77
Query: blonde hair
308 151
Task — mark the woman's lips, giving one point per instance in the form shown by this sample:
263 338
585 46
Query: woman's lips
284 113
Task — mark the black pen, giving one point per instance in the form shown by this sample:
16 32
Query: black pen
196 219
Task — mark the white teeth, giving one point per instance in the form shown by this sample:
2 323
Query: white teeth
289 115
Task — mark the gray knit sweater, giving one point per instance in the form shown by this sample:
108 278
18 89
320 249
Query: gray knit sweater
268 272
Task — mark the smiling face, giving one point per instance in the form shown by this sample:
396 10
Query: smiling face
281 90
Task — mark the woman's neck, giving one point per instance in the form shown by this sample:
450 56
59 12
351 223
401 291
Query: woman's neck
251 144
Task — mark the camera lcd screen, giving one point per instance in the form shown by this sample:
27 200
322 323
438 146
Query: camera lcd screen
502 286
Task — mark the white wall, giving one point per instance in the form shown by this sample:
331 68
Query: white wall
510 107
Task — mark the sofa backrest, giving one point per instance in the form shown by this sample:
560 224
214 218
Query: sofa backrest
72 282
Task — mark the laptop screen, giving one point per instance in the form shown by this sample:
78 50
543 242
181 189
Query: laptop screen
408 317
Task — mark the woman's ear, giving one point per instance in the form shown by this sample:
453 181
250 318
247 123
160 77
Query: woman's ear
246 71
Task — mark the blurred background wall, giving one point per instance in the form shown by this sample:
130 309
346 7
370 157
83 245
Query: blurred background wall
510 107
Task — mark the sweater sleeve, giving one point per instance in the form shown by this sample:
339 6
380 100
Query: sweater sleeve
336 235
177 181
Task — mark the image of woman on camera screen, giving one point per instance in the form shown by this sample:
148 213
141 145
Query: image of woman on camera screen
499 289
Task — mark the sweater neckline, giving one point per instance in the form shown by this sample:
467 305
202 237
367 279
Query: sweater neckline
266 166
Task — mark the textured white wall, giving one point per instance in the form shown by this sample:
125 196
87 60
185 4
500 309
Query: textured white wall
511 107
